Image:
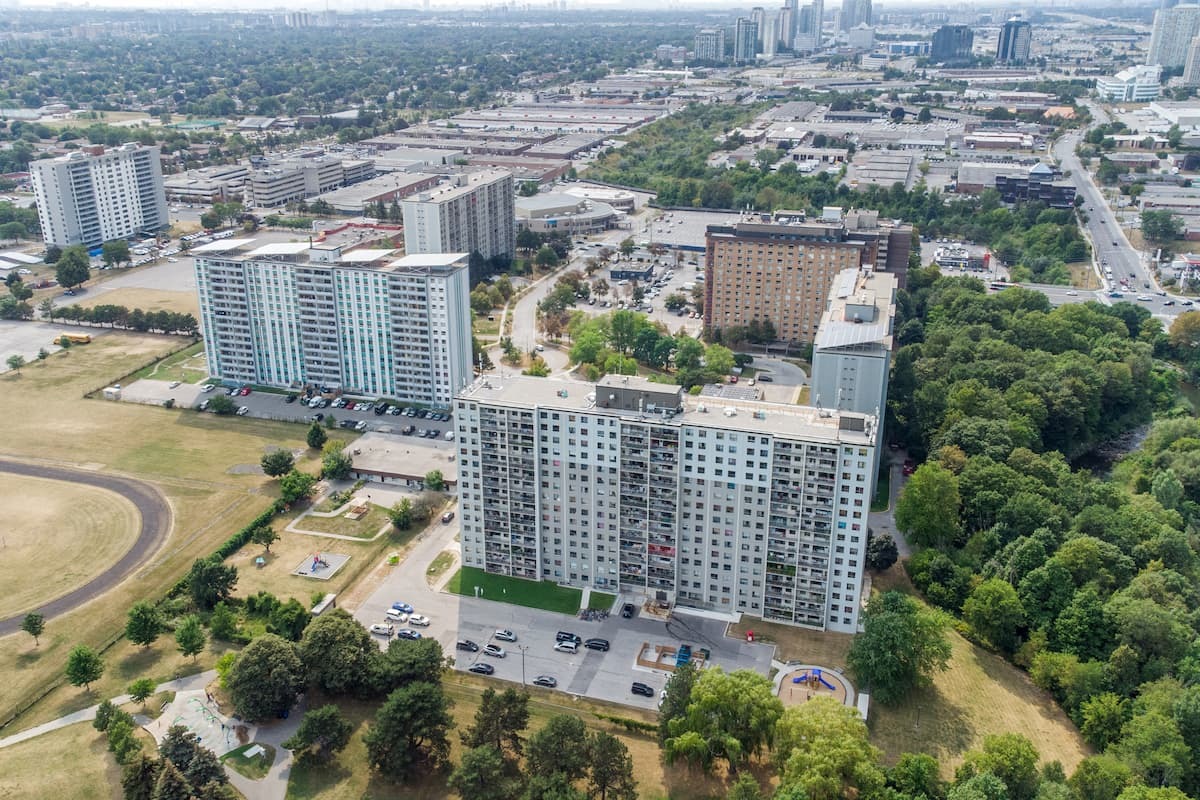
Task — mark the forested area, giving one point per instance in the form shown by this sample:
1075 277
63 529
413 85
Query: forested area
1087 582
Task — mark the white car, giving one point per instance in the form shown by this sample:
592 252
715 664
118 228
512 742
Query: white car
420 620
505 635
396 615
208 387
174 384
243 411
1145 298
382 629
494 651
566 647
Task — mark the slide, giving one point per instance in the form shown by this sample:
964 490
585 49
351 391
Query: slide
817 674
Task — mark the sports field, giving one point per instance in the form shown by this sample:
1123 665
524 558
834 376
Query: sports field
56 536
146 300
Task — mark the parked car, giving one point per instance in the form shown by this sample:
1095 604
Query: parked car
449 515
204 405
245 391
564 636
495 651
243 411
505 635
208 387
642 689
545 680
466 644
765 379
481 669
382 629
597 644
291 398
407 430
627 611
361 426
396 615
405 607
566 647
420 620
407 633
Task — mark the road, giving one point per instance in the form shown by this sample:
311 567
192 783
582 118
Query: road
156 525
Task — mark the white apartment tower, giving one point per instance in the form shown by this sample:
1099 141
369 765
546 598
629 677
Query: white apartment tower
852 352
1174 30
633 486
96 195
710 45
1191 70
363 322
471 213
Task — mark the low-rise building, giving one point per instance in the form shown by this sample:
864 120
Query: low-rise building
549 212
1138 84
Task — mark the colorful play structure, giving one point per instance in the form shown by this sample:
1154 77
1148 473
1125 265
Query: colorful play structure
812 678
318 562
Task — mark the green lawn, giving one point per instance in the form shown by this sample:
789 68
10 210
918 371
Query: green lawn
601 601
363 528
545 594
438 566
883 488
253 768
187 366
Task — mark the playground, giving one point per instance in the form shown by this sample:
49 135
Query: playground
200 714
803 683
321 566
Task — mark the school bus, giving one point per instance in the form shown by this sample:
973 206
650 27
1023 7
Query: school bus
74 338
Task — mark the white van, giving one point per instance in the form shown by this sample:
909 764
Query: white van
449 436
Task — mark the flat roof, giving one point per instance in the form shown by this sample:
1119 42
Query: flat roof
18 256
223 245
428 260
853 289
389 454
750 416
367 254
280 249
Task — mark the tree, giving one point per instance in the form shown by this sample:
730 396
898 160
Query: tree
675 302
410 730
266 678
316 436
995 613
528 240
546 257
928 509
336 651
499 722
917 775
1152 746
34 624
882 552
322 733
718 361
626 247
264 535
115 252
139 777
401 514
171 785
822 747
84 666
178 746
1103 718
222 406
925 115
610 768
335 462
205 769
1161 227
53 254
210 220
277 463
434 480
1101 777
42 354
296 486
746 788
15 362
140 690
897 114
901 645
1010 757
210 581
406 661
72 268
46 309
731 715
560 747
143 624
484 775
678 697
189 636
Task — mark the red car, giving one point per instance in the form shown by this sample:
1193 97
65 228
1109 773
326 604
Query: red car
733 378
245 391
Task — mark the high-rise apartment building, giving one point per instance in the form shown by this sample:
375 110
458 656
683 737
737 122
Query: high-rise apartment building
1016 37
785 27
1191 69
96 195
291 315
1174 30
710 45
633 486
758 16
808 29
848 15
745 41
853 349
780 269
471 213
770 36
952 43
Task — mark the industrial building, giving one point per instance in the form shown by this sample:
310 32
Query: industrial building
469 213
726 505
780 269
96 194
292 315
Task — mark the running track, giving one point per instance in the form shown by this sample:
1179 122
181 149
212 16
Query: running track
156 524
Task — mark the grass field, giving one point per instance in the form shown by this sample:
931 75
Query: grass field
61 535
187 455
883 488
189 365
798 644
147 300
347 777
254 768
980 694
601 601
68 764
544 594
439 565
364 528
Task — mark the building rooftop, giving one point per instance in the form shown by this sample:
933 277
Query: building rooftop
279 249
366 255
750 416
426 260
459 184
861 311
223 245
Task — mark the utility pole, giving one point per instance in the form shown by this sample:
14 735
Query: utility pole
522 648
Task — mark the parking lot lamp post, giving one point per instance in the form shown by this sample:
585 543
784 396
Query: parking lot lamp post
522 648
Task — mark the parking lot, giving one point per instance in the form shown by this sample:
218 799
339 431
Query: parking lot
25 339
600 675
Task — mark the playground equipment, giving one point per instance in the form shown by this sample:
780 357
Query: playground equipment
318 562
813 678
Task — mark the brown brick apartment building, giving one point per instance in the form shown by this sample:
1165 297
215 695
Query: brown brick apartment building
780 268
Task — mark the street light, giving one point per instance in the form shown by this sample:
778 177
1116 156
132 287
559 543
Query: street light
522 648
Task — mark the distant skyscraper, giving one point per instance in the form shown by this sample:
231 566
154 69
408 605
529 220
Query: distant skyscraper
769 35
1174 30
785 25
1015 39
745 40
808 31
710 44
1191 70
759 17
952 43
789 34
849 15
866 14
